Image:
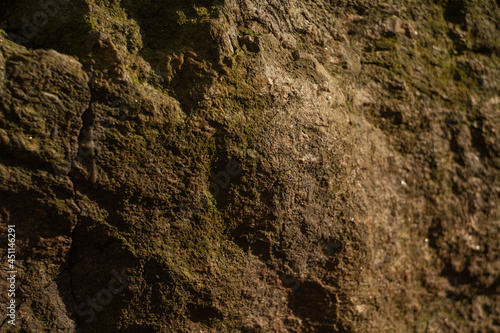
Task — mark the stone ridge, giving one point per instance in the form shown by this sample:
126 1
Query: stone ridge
251 166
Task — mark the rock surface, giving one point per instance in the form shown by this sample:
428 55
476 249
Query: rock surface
251 166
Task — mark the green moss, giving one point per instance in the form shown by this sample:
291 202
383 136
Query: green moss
181 17
202 11
388 43
243 31
72 41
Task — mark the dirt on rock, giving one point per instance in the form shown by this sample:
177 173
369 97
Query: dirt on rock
251 166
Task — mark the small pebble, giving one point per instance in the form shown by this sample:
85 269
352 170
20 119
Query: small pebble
4 137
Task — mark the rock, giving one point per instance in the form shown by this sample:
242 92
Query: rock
251 42
393 26
252 154
334 175
288 41
4 137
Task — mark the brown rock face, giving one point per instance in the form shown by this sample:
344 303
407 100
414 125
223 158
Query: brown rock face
250 166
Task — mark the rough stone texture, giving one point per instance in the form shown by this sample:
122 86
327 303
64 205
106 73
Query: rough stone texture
252 166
